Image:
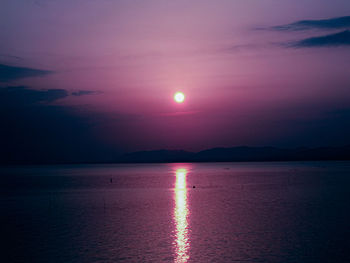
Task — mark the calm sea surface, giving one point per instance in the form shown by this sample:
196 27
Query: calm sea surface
212 212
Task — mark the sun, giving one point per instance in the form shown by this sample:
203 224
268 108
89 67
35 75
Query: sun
179 97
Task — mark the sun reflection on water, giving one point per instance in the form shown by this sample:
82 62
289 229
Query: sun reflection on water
180 215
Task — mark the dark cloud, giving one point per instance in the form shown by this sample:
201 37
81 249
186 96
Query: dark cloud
34 131
332 23
25 96
9 73
331 40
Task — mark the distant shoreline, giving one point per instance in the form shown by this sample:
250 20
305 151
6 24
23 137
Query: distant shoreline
233 154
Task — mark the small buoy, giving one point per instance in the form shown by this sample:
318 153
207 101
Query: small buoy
194 186
111 180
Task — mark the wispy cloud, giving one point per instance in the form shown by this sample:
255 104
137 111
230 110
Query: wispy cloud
331 40
178 113
85 92
331 23
9 73
10 56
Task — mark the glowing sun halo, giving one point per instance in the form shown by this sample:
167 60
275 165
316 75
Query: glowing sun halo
179 97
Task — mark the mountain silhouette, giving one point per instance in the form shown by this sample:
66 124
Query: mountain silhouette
239 154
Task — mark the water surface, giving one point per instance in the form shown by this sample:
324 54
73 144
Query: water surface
212 212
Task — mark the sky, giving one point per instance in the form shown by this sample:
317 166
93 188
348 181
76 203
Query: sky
87 80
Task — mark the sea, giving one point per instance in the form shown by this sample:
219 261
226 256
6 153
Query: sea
176 212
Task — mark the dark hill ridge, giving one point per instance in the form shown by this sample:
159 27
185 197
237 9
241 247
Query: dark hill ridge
239 154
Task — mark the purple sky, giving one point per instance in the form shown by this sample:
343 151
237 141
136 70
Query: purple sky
247 81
